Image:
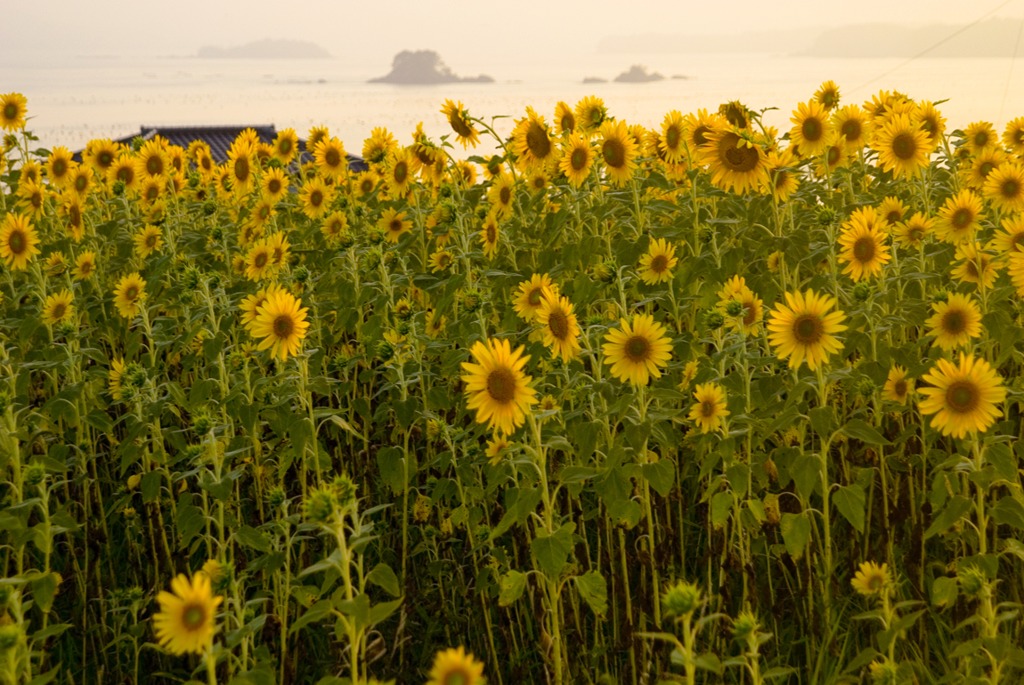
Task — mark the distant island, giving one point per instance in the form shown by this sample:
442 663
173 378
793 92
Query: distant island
424 67
638 74
266 49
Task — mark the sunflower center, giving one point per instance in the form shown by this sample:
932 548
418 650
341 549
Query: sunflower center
284 146
981 139
152 192
85 268
456 677
700 135
274 186
558 324
365 186
916 234
260 260
395 226
961 218
672 137
875 582
10 111
962 397
151 241
401 172
954 322
749 314
501 385
36 200
985 169
579 159
904 146
60 167
316 198
893 217
864 249
899 388
659 263
808 329
492 237
131 293
82 182
537 141
105 159
637 349
1010 189
332 157
707 409
738 159
17 242
534 297
505 195
812 129
568 122
242 169
614 153
459 125
193 617
284 326
58 310
833 155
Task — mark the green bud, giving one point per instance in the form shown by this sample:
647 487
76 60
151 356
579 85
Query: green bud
385 350
276 497
713 320
861 292
972 580
745 626
10 636
34 474
734 308
681 599
320 505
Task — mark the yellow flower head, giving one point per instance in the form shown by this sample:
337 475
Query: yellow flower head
804 329
186 621
497 386
281 323
637 350
963 397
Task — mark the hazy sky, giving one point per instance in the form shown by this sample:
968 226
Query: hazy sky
374 30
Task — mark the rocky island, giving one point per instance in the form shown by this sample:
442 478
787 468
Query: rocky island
638 74
424 67
266 49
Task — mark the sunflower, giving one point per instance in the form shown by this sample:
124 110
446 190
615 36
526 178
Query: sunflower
148 240
783 179
490 234
1013 136
1004 187
378 146
259 262
803 329
100 154
58 307
975 266
129 294
152 189
955 322
123 171
827 95
279 247
618 151
456 667
981 165
330 159
435 323
637 350
811 128
13 107
853 125
241 164
912 232
1011 238
864 250
460 121
964 397
496 450
274 184
152 160
399 168
657 263
565 119
736 163
959 217
251 303
929 120
32 198
980 135
699 125
530 296
751 307
590 113
59 165
440 261
871 579
531 141
85 265
558 323
897 386
316 196
501 195
902 147
114 376
892 210
186 621
285 146
281 322
73 209
577 159
736 113
394 224
709 410
335 227
671 144
18 241
836 155
496 386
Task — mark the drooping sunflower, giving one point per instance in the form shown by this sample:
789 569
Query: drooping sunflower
1004 187
955 322
811 128
186 621
974 265
618 151
577 159
460 121
490 234
853 125
58 307
637 350
590 113
315 197
559 326
657 263
803 329
902 147
827 95
85 265
959 217
497 386
964 397
13 107
18 241
59 165
394 224
864 250
735 163
897 386
129 294
281 323
565 119
456 667
330 159
1013 136
871 579
532 142
530 296
709 410
913 231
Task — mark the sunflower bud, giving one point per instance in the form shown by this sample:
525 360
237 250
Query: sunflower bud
972 580
861 292
745 626
734 308
10 636
681 599
713 320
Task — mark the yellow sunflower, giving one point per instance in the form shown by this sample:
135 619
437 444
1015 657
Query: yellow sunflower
18 241
394 224
657 263
440 261
329 157
1004 187
85 265
58 307
804 329
335 227
565 119
59 166
32 198
1013 136
751 308
532 142
530 296
735 163
259 262
892 210
281 322
897 386
1011 238
672 141
977 169
13 107
101 154
853 125
959 217
490 234
699 125
637 350
129 294
835 155
980 135
80 180
955 322
186 621
496 449
285 146
974 265
902 147
929 120
827 95
242 168
913 231
709 410
811 128
963 397
151 159
782 174
114 375
73 209
590 113
501 194
251 304
316 197
148 240
274 184
378 146
559 326
577 159
871 579
618 151
496 385
123 171
864 250
1016 271
460 121
456 667
399 168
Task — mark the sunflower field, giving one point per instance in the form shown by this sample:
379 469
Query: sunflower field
579 401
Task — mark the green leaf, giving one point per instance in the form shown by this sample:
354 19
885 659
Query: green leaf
250 537
594 591
955 509
1009 511
796 533
661 475
823 421
151 486
316 612
513 584
721 508
383 577
43 590
863 431
380 612
552 551
391 462
944 591
526 502
851 501
405 411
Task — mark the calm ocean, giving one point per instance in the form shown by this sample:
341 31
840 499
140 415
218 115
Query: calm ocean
110 97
